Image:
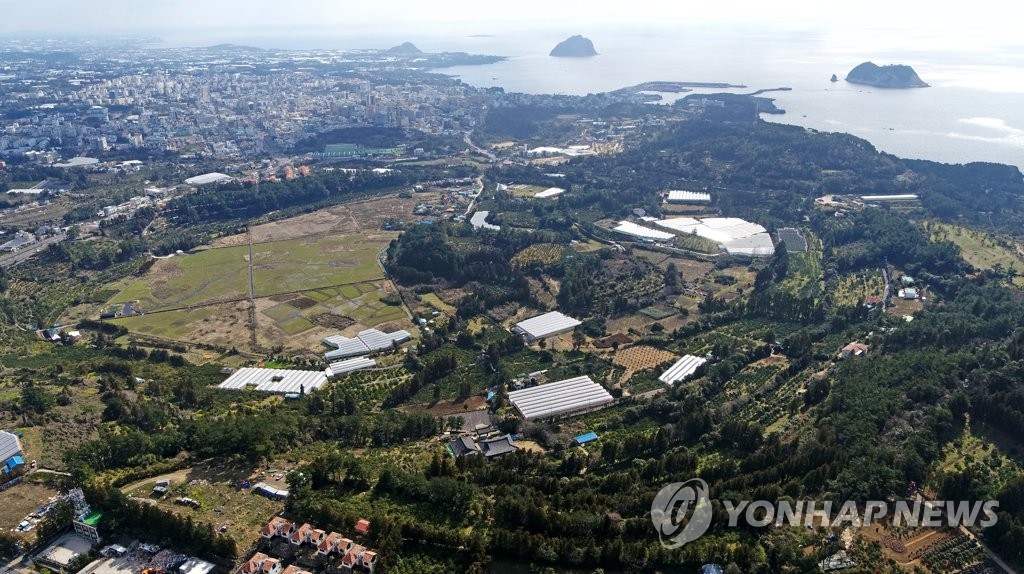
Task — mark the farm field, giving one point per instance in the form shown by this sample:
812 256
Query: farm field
980 249
314 262
640 358
541 253
209 276
355 218
301 320
224 324
858 287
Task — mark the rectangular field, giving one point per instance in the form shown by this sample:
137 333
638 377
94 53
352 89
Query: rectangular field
311 263
184 280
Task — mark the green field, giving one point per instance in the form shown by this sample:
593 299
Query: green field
311 263
211 275
979 249
222 274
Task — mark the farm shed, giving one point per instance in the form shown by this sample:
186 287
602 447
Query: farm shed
570 396
681 369
274 380
349 366
364 343
545 325
680 196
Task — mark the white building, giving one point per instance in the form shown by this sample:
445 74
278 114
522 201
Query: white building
680 196
545 325
682 368
562 398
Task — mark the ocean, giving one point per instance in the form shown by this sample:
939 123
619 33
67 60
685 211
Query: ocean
973 111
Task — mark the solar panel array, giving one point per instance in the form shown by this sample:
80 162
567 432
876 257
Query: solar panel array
553 399
681 369
275 380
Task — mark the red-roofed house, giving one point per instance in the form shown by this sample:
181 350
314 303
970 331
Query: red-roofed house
368 559
255 564
317 537
293 569
277 527
351 559
270 566
363 526
329 544
301 536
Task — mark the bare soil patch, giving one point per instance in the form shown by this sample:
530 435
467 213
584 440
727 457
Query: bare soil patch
302 302
642 357
333 321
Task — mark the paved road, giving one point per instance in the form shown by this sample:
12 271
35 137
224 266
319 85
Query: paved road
11 259
478 149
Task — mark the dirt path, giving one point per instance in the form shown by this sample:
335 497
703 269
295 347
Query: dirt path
176 477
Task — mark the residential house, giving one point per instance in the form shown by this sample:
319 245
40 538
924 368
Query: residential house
329 544
853 350
317 537
293 569
255 564
462 446
10 452
302 534
278 526
497 446
363 526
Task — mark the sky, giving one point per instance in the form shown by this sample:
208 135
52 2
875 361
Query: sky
98 17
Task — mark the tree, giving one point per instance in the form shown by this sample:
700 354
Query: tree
671 275
36 399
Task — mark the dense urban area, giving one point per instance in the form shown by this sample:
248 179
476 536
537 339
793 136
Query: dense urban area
294 312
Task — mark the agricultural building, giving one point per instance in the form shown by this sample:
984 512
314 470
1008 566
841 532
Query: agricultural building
10 452
364 343
274 380
679 196
641 232
545 325
349 366
208 178
571 396
549 192
735 235
681 369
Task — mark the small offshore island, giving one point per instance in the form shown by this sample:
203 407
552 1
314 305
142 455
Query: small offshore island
574 47
893 76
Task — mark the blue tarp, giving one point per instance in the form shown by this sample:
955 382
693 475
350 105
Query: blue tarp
585 438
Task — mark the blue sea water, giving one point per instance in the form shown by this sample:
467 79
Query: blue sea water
973 111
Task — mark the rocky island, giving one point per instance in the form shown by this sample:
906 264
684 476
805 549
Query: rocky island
897 76
574 47
405 49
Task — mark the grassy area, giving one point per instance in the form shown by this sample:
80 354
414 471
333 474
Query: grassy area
981 458
311 263
858 287
211 275
804 277
17 502
980 249
436 302
540 253
278 267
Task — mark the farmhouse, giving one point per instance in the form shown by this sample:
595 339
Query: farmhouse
364 343
562 398
10 452
545 325
497 446
274 380
462 446
679 196
681 369
909 293
853 350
